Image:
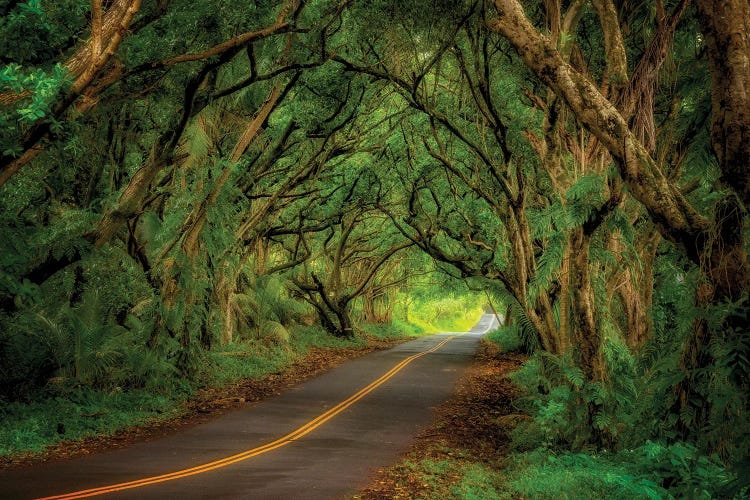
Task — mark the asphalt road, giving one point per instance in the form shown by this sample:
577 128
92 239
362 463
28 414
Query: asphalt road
321 439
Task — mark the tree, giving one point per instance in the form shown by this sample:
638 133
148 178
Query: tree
719 249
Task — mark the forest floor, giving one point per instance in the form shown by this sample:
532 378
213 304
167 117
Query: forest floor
206 404
457 456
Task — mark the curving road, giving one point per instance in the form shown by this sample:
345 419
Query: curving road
322 439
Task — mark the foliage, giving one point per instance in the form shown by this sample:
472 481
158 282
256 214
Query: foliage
650 471
432 313
507 337
205 204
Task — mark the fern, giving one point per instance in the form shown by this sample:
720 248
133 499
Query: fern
274 331
529 333
587 189
548 264
583 198
553 217
199 138
573 375
78 342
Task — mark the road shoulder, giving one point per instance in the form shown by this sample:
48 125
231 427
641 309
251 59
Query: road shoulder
469 433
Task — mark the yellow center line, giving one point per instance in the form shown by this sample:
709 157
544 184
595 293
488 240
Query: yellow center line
282 441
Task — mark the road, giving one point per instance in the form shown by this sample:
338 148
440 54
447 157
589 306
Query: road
320 440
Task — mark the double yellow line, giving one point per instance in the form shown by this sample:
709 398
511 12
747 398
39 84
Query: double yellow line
239 457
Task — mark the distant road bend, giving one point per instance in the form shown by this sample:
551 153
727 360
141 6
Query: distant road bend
322 439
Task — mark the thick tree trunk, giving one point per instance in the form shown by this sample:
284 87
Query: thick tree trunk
587 337
260 262
369 314
326 322
509 318
726 27
224 291
346 328
539 313
565 299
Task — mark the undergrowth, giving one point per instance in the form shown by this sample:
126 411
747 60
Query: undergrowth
651 472
85 412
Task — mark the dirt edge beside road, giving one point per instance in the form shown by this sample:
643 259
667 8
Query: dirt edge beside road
472 427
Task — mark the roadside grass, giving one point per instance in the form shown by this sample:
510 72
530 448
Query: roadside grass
28 427
258 357
506 338
83 412
539 474
395 329
456 476
545 475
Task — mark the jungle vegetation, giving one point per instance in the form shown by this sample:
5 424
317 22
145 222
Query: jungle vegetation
182 178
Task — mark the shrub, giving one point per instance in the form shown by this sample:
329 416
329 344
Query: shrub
508 338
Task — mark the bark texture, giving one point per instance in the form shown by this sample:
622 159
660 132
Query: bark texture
726 27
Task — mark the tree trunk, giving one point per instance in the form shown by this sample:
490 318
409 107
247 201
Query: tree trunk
376 306
726 26
260 263
565 294
345 330
224 291
508 315
539 313
326 322
635 288
585 331
369 315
